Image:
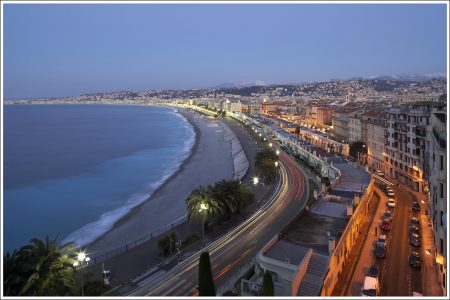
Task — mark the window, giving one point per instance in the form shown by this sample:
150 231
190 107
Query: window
442 190
441 220
442 162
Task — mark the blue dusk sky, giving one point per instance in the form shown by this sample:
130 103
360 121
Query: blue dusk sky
53 50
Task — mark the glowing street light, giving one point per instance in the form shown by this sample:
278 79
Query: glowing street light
202 211
81 262
276 164
255 180
278 152
270 145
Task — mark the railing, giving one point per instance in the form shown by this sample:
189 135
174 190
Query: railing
132 244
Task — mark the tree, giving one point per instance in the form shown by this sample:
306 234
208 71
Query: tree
201 196
265 163
41 268
205 277
233 195
297 131
357 147
268 289
164 243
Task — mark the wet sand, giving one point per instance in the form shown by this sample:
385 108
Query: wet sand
210 161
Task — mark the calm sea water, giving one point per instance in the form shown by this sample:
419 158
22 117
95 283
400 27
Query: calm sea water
74 170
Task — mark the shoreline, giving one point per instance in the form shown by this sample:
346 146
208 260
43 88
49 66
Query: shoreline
210 160
182 166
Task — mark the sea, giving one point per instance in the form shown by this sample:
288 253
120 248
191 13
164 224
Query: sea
72 171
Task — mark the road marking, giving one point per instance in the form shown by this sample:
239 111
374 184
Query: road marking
182 281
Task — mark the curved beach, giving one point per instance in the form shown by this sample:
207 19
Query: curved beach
212 159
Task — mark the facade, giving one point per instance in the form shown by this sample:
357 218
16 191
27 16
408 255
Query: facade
437 180
407 128
375 144
340 123
354 129
324 117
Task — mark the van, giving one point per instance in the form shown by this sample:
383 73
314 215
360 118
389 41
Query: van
370 287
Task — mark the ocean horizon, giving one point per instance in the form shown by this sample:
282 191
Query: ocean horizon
74 170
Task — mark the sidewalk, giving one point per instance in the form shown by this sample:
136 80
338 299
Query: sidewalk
430 280
367 232
367 258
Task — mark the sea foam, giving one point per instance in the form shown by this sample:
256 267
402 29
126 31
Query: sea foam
94 230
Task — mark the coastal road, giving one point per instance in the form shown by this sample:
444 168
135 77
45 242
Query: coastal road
235 249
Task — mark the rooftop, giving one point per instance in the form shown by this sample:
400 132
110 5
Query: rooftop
286 251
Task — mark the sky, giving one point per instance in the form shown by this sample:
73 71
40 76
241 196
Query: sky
58 50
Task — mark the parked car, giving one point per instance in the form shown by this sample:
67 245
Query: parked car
390 192
391 202
414 240
415 206
380 250
387 216
386 225
370 288
379 173
381 239
414 260
414 229
415 221
373 271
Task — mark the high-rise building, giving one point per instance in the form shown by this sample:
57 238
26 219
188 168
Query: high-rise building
407 128
375 142
436 172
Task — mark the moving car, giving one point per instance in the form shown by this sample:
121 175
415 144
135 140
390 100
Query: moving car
387 216
415 206
373 271
391 202
414 260
386 225
380 250
370 288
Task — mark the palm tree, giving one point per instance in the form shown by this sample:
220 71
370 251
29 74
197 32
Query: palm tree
203 196
51 270
265 163
223 193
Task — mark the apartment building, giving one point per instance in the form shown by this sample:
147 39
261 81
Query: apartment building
436 172
340 122
324 117
354 128
407 128
375 142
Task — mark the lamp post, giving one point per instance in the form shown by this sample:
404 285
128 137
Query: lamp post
270 145
82 261
255 180
277 152
202 211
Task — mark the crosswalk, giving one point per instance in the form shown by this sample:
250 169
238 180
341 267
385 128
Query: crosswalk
382 180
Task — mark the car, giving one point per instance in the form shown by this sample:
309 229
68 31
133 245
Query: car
415 206
370 288
414 229
390 192
381 239
379 173
415 221
386 225
387 216
380 250
414 260
373 271
391 202
414 241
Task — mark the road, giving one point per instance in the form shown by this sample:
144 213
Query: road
397 277
235 249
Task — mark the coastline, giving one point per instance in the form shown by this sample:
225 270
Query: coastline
210 160
135 209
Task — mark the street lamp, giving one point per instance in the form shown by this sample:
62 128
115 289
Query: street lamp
270 145
81 262
278 152
255 180
202 211
276 164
